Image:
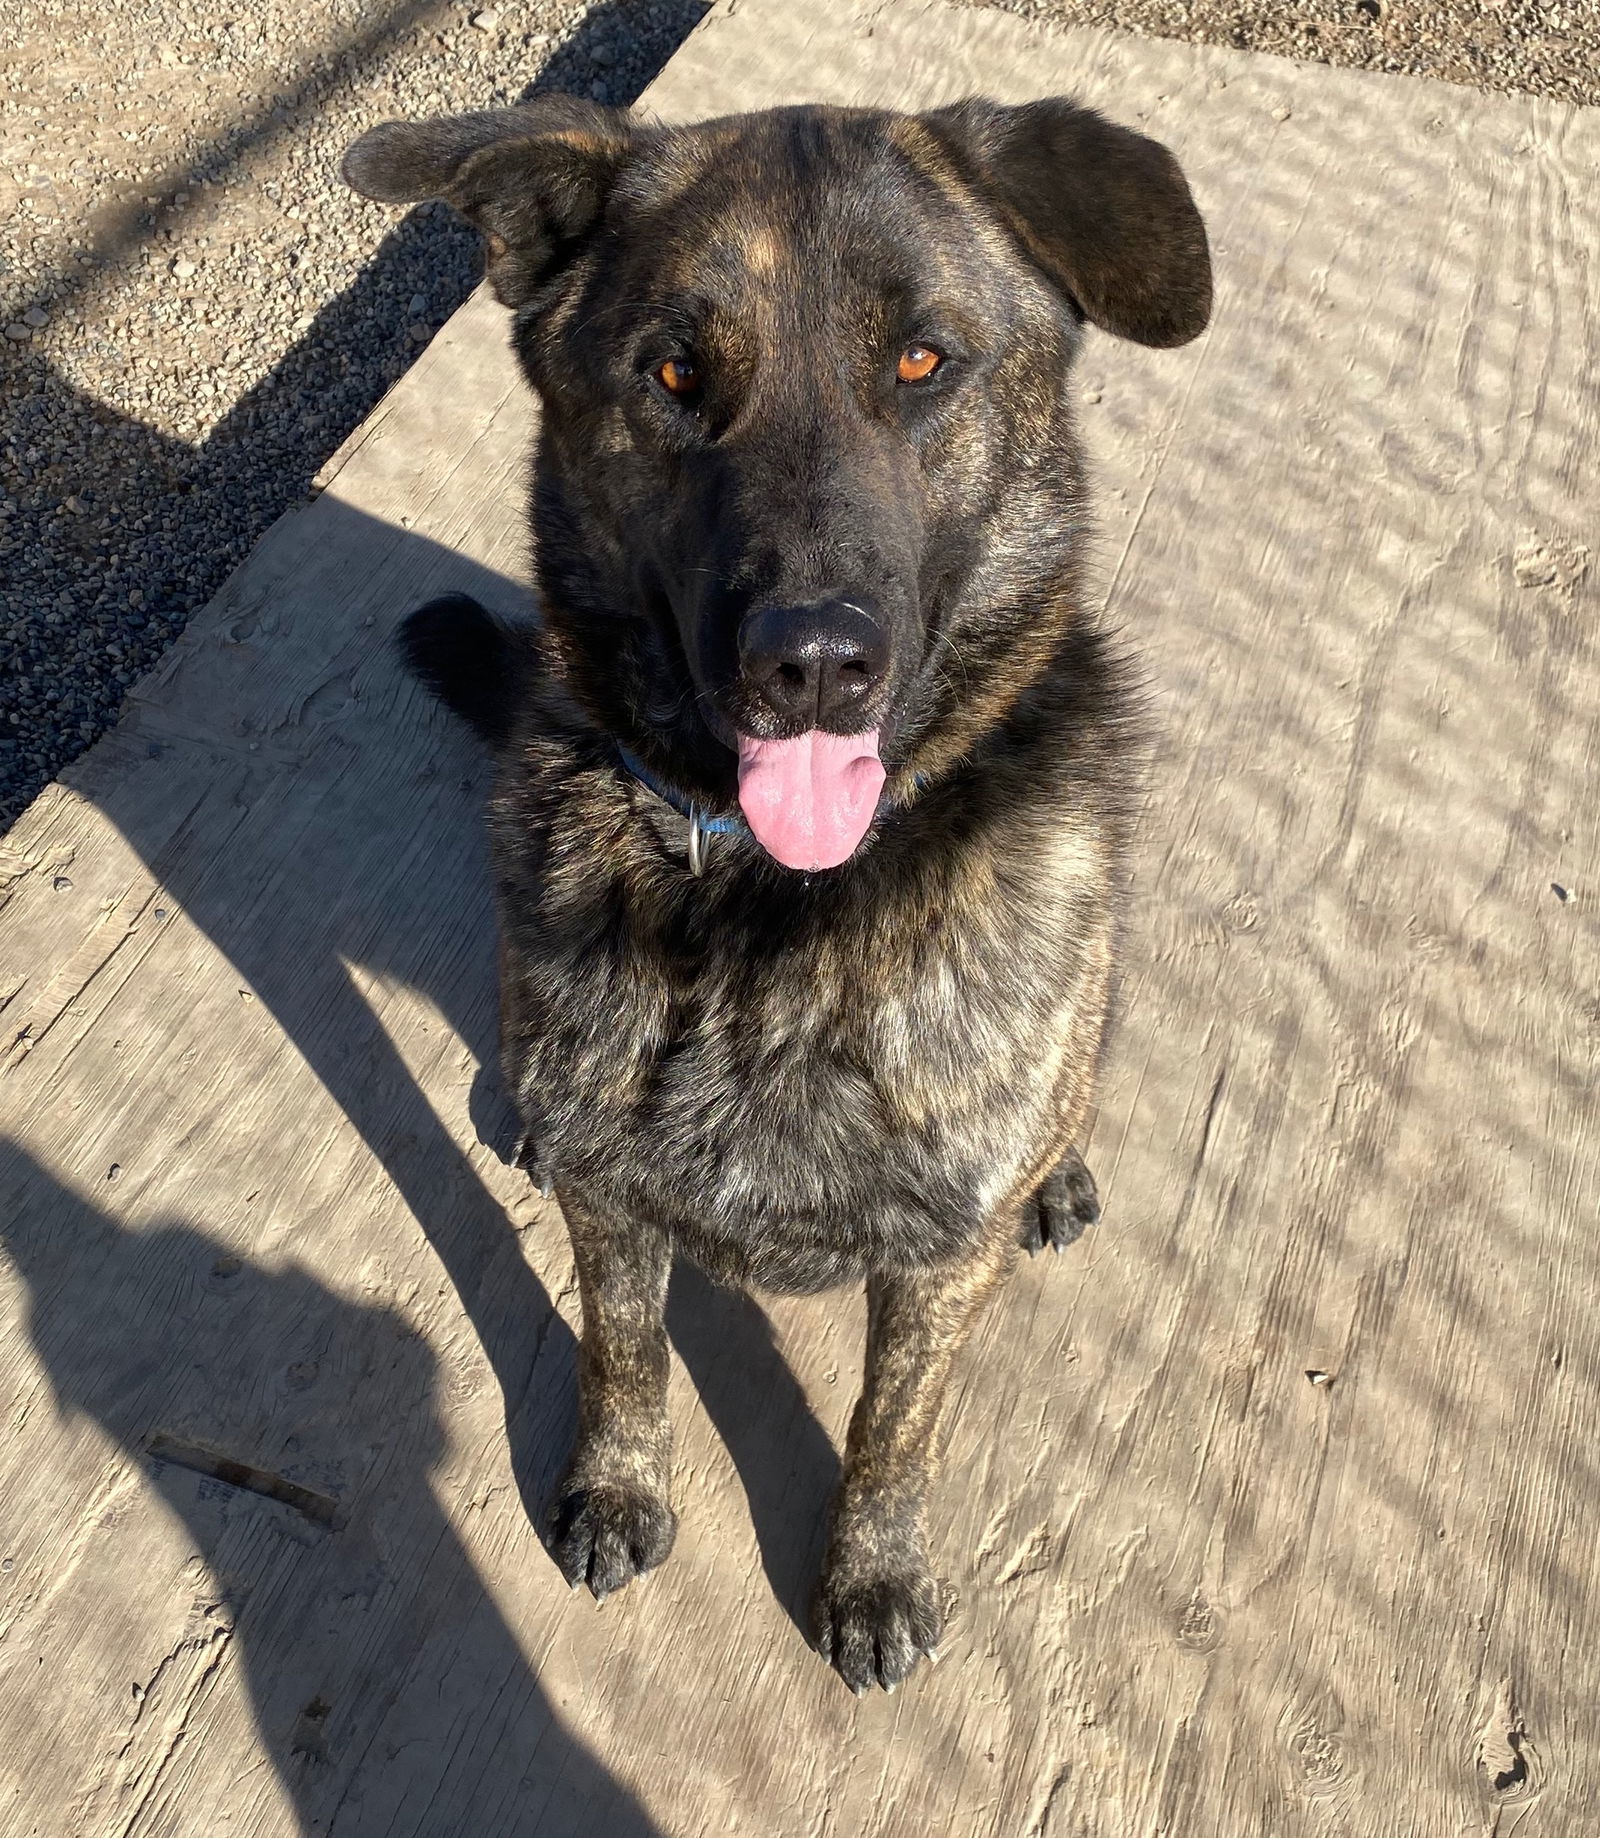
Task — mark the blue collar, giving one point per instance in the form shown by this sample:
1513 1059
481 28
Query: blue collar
685 807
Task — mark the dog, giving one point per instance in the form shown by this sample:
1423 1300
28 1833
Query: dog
815 776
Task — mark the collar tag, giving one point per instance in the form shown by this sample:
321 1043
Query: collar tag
697 844
701 826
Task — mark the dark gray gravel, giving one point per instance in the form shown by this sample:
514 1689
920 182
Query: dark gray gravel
191 320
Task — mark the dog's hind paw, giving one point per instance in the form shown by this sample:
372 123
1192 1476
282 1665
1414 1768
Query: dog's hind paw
873 1629
606 1536
1065 1206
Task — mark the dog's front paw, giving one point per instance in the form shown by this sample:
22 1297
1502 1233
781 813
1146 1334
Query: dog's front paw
1065 1206
605 1536
873 1625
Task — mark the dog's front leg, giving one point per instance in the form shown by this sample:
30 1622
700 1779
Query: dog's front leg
878 1607
613 1517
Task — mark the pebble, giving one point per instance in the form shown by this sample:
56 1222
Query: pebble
486 21
1536 46
36 317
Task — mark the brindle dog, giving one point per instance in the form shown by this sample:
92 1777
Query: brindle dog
814 780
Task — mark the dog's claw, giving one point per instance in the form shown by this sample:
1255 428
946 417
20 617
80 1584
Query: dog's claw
529 1157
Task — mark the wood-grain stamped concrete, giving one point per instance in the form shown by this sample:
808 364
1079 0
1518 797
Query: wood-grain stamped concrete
1271 1505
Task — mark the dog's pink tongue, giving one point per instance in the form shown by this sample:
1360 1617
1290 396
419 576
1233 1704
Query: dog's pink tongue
811 800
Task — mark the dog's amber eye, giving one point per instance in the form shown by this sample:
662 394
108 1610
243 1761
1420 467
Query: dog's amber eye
918 363
678 376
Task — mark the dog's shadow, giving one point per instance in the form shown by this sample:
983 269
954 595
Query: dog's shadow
785 1459
346 891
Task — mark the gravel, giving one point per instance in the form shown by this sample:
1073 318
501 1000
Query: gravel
193 315
191 318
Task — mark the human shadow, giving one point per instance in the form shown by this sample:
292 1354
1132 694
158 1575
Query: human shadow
362 1630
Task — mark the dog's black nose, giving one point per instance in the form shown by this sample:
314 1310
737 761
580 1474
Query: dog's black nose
815 664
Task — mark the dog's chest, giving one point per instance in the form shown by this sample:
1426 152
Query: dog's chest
797 1103
763 1120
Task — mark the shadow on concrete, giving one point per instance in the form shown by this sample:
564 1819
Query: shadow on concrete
332 1708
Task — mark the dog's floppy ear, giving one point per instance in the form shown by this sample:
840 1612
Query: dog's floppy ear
534 179
1103 211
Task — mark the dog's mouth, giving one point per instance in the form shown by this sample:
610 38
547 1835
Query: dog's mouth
809 798
809 801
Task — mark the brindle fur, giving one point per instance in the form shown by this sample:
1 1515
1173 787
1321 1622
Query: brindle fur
874 1073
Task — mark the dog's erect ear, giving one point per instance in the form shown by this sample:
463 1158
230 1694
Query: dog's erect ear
534 179
1104 212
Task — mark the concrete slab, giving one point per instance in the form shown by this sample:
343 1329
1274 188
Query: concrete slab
1269 1505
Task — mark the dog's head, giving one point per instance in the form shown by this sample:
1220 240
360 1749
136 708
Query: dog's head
808 501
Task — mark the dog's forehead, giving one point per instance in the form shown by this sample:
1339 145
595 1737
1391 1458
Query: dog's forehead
773 153
745 197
